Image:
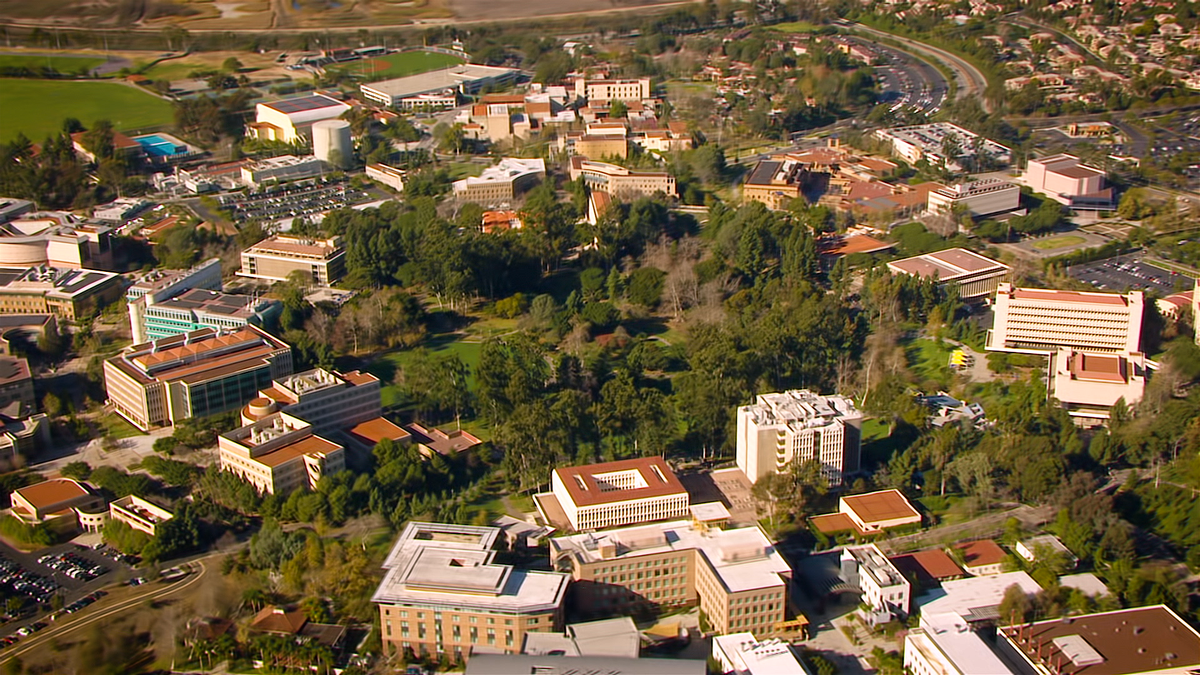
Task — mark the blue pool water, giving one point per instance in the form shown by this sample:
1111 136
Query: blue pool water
157 146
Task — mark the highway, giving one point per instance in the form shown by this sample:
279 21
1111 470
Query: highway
970 79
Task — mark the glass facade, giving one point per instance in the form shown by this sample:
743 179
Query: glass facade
226 393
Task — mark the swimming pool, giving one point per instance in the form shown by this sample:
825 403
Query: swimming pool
157 146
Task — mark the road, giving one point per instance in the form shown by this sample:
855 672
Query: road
1030 23
72 623
980 526
906 79
971 81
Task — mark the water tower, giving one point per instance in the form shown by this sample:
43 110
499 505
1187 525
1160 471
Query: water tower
331 143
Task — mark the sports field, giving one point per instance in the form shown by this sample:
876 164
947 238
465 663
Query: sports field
401 65
1062 241
63 64
37 108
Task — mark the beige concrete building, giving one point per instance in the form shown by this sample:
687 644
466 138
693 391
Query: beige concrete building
736 576
1040 321
281 169
279 453
325 399
501 184
194 374
66 293
56 499
978 197
1088 384
139 514
322 261
775 182
620 183
798 425
613 494
971 274
387 175
593 145
291 120
443 593
613 90
17 398
946 645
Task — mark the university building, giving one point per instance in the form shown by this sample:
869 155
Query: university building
613 494
321 261
971 274
279 453
325 399
736 576
1039 321
194 374
443 593
798 425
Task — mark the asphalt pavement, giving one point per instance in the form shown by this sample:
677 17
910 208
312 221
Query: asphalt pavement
1126 273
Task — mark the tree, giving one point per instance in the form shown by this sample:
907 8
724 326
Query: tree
52 405
231 65
646 286
617 109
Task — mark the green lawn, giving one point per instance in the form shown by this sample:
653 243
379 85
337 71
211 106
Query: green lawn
115 426
929 359
63 64
173 69
37 108
1058 242
795 27
401 65
467 351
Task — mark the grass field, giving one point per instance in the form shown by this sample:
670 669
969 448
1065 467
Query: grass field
401 65
929 359
395 361
795 27
37 108
63 64
1058 242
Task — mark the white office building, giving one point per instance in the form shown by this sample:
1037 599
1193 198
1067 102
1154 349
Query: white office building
944 644
798 425
978 197
884 588
613 494
1040 321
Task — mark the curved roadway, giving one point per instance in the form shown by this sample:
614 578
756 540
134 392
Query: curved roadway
71 623
971 81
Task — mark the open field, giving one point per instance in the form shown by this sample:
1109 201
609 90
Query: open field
394 362
37 108
1058 242
63 64
401 65
795 27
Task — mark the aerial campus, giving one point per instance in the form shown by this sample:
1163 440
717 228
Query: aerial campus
754 338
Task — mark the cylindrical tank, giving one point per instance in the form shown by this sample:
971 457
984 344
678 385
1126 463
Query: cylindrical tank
331 142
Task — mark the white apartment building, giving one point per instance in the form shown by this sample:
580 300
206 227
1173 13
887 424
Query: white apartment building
798 425
883 587
1039 321
613 90
979 197
613 494
944 644
139 514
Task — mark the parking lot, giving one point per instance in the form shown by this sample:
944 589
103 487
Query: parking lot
294 200
72 572
1126 273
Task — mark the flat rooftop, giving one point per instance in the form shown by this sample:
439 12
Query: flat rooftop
307 103
524 664
976 598
13 369
435 80
949 265
439 562
879 506
743 558
203 301
52 280
952 636
52 492
1138 640
611 482
297 246
1079 297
